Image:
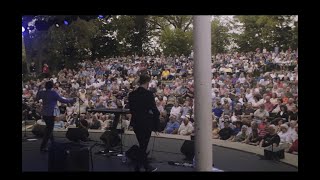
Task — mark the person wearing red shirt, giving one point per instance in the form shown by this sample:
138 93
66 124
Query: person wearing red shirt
45 70
268 106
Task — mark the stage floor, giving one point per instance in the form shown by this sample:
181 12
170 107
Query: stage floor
165 150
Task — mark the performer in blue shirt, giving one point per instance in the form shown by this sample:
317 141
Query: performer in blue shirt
49 101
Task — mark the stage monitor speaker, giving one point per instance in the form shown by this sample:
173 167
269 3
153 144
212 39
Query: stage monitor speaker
38 130
110 138
188 149
274 153
77 134
68 157
133 153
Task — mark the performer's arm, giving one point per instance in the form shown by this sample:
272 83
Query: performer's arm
39 95
156 112
64 100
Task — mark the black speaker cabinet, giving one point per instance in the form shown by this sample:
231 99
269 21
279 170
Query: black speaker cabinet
188 149
274 153
77 134
38 130
110 138
68 157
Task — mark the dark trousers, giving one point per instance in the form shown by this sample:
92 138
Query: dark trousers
48 131
143 137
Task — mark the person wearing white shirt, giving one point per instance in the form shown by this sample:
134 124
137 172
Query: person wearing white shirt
74 85
82 94
176 110
54 79
280 76
283 134
241 79
249 95
186 127
222 101
293 135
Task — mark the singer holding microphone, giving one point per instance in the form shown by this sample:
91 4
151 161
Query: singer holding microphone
145 119
49 102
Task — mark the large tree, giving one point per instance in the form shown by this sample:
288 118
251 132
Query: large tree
220 38
176 42
265 32
72 43
175 33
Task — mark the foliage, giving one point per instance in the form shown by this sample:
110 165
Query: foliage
266 32
220 37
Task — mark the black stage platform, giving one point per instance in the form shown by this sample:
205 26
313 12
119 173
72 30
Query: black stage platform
165 150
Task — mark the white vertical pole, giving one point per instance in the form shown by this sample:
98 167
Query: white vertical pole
203 104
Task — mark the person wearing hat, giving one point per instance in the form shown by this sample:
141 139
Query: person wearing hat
49 102
144 120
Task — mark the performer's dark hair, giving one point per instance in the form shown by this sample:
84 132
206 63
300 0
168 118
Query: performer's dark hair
144 78
49 85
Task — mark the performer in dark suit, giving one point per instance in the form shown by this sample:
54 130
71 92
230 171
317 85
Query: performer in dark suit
145 118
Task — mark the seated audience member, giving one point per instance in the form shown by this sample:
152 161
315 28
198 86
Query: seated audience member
260 114
104 123
72 119
186 127
237 128
253 138
222 120
163 123
290 104
242 135
176 110
247 114
292 132
276 107
172 126
293 115
278 122
95 124
283 113
271 138
226 133
227 110
283 134
218 110
215 129
294 147
58 124
262 127
268 105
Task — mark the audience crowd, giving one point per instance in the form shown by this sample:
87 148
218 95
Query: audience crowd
254 95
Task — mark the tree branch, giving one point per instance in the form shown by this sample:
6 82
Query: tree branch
185 28
168 19
156 23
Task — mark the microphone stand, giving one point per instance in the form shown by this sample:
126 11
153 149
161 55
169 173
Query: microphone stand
78 119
